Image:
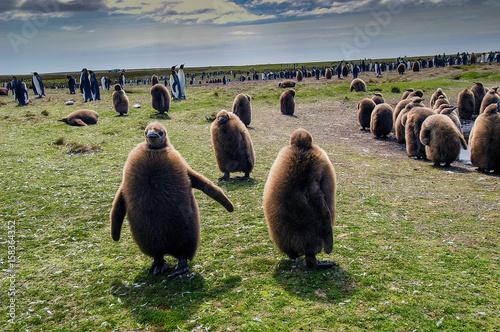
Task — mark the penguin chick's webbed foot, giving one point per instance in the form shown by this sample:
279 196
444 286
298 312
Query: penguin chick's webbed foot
225 177
313 264
159 266
181 268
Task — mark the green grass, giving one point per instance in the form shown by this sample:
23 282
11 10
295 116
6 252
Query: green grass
416 246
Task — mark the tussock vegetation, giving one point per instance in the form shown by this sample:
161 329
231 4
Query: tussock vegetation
416 247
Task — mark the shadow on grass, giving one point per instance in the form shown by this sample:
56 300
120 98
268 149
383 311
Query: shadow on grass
331 285
291 115
236 183
160 116
166 303
452 169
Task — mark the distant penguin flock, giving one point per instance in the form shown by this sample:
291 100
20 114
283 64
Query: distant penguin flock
435 133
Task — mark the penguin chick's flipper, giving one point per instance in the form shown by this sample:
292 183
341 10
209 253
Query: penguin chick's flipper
181 268
158 267
200 182
117 215
78 122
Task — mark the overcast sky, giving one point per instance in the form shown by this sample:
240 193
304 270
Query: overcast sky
67 35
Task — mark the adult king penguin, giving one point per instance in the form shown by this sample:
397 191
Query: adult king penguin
14 86
175 84
21 92
94 87
122 80
85 85
37 85
71 84
182 82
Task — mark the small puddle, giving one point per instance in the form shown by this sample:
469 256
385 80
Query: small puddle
464 157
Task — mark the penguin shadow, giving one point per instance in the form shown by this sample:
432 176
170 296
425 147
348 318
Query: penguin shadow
452 168
331 285
488 173
159 299
250 128
237 182
291 116
160 116
121 115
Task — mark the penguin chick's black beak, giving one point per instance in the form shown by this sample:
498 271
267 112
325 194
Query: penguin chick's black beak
223 119
152 134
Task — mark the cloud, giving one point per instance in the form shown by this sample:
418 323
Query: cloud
242 33
8 5
219 12
71 28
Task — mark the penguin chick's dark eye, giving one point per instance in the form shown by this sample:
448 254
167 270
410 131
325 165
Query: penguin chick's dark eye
160 133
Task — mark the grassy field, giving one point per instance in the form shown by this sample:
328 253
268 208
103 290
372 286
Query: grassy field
416 247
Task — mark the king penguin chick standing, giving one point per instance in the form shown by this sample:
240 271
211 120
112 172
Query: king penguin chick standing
156 194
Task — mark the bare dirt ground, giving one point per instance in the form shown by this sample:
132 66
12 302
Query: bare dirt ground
336 122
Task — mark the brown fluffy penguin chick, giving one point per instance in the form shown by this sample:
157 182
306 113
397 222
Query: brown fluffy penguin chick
156 194
442 139
81 118
160 98
300 76
232 145
491 97
435 96
286 84
365 109
407 93
287 102
399 107
399 127
242 108
440 101
328 73
154 80
417 93
401 68
413 123
479 92
381 122
452 113
466 104
358 85
299 200
378 98
120 100
484 140
416 66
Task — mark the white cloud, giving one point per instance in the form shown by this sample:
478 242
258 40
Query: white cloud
218 12
242 33
71 28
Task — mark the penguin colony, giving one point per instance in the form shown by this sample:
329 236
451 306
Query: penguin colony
301 174
435 132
